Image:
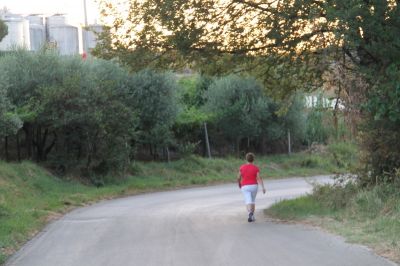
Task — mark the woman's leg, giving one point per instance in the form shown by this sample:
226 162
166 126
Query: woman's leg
250 192
252 207
254 190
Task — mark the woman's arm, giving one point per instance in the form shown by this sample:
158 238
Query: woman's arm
260 182
239 179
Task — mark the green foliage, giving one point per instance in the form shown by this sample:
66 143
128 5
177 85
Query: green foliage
336 196
233 30
192 116
3 30
191 98
240 110
345 154
187 93
311 162
378 58
384 101
238 105
298 208
9 121
317 130
189 124
153 94
381 131
295 118
73 111
187 149
242 36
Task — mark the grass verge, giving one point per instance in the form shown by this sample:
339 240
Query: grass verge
368 216
30 196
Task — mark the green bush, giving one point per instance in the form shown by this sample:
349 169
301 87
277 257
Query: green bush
73 111
187 149
345 154
297 208
336 196
4 211
380 131
311 162
135 168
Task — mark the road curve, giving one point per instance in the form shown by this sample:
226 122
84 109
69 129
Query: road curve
197 226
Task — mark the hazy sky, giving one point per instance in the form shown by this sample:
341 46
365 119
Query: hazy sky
72 8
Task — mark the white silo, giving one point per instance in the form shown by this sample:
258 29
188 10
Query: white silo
37 32
89 36
57 19
18 33
63 36
35 19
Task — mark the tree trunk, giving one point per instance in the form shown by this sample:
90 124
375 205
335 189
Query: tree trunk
28 139
238 147
168 155
49 148
155 155
38 144
6 148
18 148
335 111
151 149
207 141
89 153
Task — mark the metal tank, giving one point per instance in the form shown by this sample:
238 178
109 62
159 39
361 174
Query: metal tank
37 36
89 36
37 32
65 38
61 35
18 33
35 19
57 19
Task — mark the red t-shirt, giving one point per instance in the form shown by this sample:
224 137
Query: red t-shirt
249 174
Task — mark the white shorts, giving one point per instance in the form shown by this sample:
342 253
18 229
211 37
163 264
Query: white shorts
250 193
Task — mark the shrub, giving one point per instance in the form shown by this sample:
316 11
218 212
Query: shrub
311 162
335 196
345 154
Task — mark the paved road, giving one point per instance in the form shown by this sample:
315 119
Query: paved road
199 226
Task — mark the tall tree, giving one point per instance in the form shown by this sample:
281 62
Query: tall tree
3 29
238 106
153 96
271 37
10 122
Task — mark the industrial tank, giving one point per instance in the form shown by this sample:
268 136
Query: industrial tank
35 19
89 36
65 38
58 19
37 36
18 33
37 32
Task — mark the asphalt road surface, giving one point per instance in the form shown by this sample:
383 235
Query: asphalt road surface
197 226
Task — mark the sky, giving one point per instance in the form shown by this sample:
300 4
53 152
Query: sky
72 8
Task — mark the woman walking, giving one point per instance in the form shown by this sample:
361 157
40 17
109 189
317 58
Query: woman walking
248 180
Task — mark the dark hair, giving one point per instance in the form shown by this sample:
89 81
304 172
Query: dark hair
250 157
